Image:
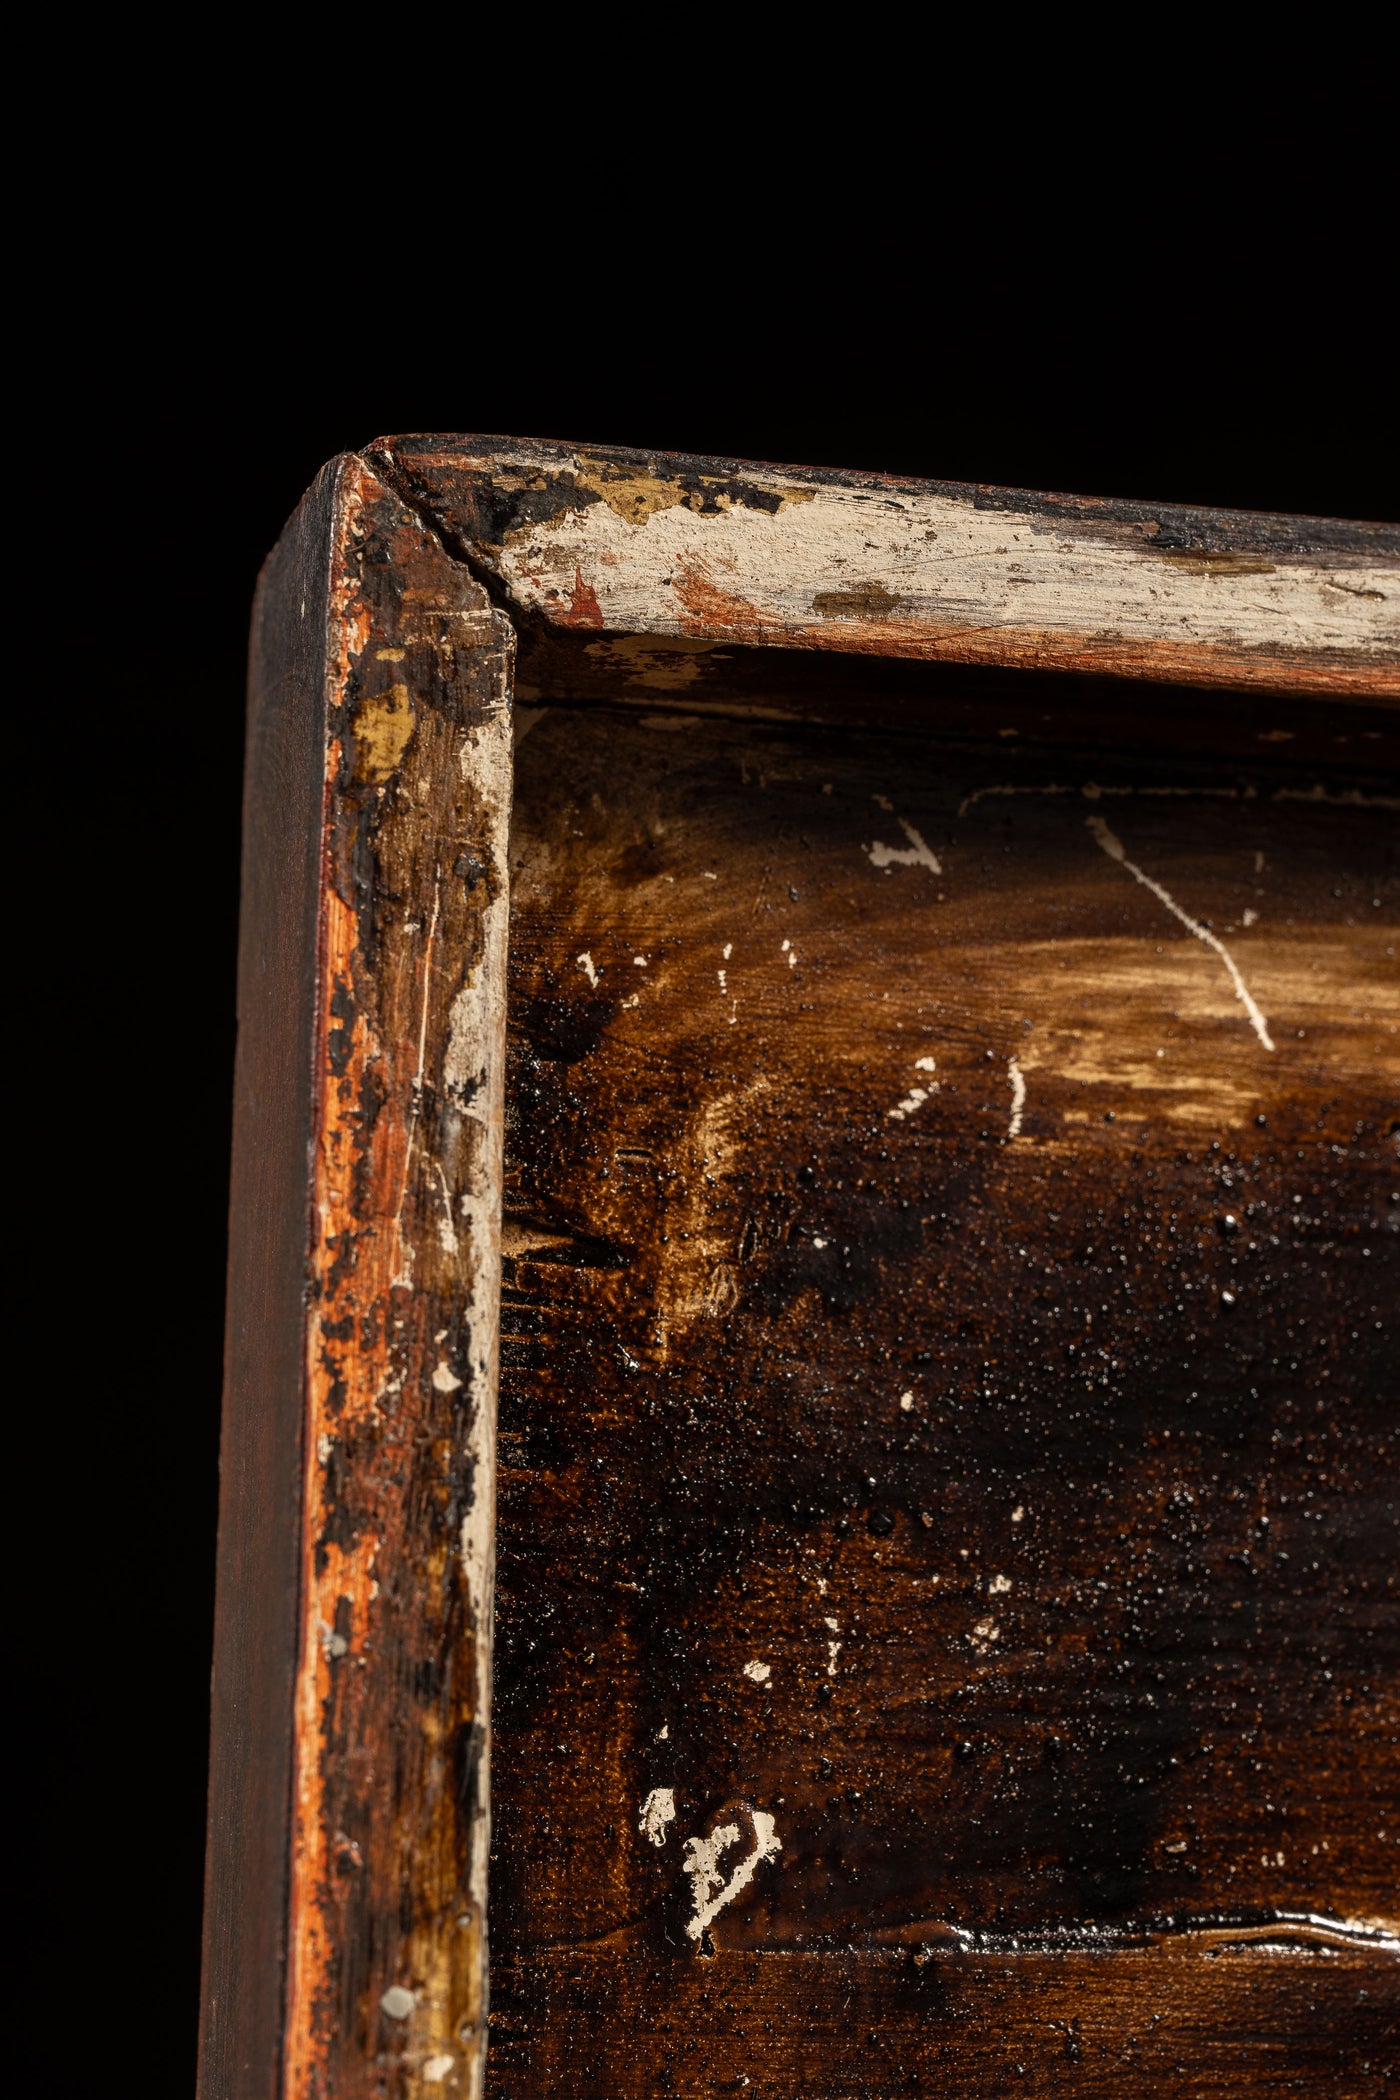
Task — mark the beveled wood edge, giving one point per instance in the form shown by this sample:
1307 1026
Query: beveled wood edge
257 1584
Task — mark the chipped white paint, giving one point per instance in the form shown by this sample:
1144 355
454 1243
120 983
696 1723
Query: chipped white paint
1018 1513
437 2069
760 1672
903 567
906 1401
833 1649
925 1064
445 1379
586 964
657 1812
1113 847
917 854
1249 918
1018 1097
397 2002
834 1625
999 1585
819 1243
640 961
710 1891
914 1099
985 1632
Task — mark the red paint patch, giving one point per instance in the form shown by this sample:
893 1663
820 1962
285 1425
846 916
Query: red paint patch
584 609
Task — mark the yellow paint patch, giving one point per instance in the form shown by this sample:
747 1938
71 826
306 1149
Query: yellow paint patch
637 497
652 663
383 726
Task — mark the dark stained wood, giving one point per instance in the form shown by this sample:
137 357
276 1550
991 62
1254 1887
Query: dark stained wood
1233 2023
1002 1503
255 1634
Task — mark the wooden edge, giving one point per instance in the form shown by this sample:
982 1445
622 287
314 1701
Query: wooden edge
349 1955
712 551
255 1613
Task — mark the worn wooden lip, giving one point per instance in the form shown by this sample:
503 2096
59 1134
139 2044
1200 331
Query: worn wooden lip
713 552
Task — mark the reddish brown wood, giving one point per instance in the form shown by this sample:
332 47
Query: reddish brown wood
380 1375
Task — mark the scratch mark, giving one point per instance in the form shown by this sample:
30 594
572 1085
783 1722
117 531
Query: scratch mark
1113 847
1018 1098
915 855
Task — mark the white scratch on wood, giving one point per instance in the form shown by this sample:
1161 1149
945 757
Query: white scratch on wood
917 854
1113 847
1018 1098
657 1812
709 1890
915 1098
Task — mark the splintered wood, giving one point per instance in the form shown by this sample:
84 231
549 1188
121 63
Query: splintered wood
946 1442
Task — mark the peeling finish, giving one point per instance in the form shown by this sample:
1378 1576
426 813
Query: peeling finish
720 551
388 1889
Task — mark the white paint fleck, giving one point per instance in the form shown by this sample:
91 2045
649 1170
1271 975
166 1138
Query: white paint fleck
1018 1098
1018 1513
709 1890
437 2068
1258 863
1113 847
721 974
640 961
833 1649
917 854
708 877
663 1735
728 950
397 2002
819 1243
915 1098
986 1631
657 1812
1251 917
1179 1846
883 802
445 1379
792 959
586 964
786 946
925 1064
906 1401
832 1624
759 1671
998 1585
333 1644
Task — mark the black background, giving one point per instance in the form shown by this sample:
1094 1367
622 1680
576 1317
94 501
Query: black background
1197 341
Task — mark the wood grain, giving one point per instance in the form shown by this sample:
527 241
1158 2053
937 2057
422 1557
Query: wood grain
255 1631
382 1908
945 1410
605 539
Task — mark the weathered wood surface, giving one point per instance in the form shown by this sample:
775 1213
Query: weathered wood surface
724 551
949 1625
390 1391
948 1471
